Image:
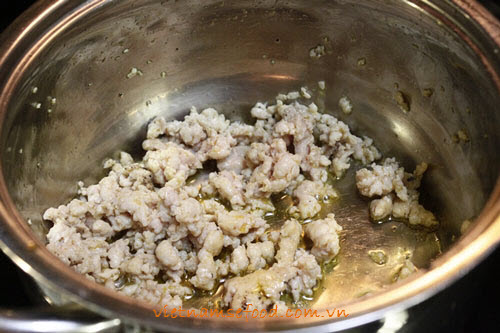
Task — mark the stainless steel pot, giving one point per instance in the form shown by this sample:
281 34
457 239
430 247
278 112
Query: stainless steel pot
66 103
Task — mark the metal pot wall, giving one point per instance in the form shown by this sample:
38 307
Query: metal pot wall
442 55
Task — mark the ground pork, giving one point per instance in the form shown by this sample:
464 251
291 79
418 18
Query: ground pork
192 212
324 235
295 271
397 192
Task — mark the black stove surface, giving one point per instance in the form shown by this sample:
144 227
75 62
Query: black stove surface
472 304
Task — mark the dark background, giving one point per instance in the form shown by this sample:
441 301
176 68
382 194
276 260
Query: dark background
470 305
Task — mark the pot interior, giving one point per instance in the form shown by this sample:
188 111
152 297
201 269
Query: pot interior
73 104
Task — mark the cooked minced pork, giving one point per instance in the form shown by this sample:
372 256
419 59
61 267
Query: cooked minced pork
158 229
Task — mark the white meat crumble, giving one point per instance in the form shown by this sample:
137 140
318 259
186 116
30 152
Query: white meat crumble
192 213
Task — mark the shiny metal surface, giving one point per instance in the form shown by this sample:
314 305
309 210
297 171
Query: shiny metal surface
56 321
228 55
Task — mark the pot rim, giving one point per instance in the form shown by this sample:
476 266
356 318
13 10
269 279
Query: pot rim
19 242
